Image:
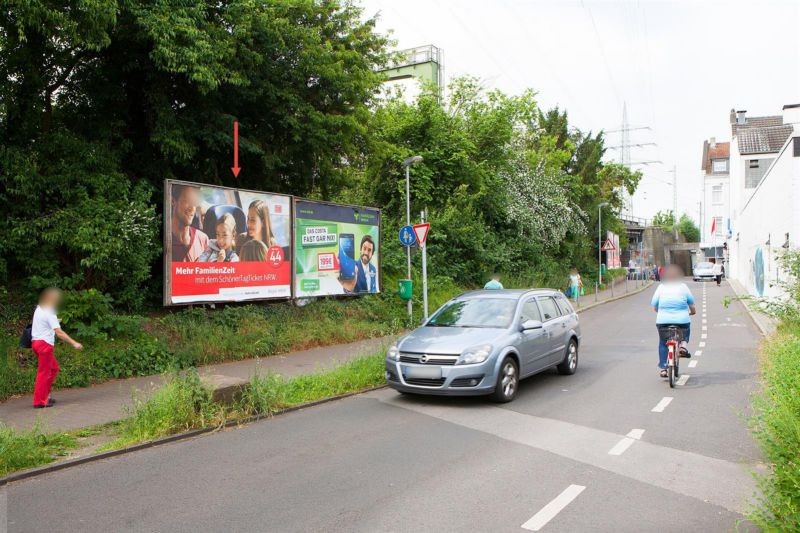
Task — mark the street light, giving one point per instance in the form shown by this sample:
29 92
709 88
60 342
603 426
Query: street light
407 164
600 207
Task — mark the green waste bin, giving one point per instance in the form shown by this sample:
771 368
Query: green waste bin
406 290
602 268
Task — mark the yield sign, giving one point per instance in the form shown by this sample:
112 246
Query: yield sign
421 230
608 246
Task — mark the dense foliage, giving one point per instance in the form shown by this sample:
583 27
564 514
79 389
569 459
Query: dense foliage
776 420
103 99
685 226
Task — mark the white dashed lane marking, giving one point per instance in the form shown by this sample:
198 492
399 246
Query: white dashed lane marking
549 511
625 443
660 406
699 352
683 379
692 364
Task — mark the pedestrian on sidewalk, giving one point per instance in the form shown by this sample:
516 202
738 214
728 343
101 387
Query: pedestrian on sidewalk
575 284
718 270
44 329
494 283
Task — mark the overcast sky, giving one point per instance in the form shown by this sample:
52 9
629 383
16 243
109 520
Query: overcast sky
679 65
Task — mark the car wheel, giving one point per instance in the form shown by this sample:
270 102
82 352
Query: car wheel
507 381
570 363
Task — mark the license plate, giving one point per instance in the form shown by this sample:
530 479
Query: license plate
422 372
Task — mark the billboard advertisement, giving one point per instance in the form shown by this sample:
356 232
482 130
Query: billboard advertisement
336 249
225 245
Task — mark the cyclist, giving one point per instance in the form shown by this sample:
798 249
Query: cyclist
674 303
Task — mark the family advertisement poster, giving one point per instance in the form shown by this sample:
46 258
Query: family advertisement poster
225 245
336 249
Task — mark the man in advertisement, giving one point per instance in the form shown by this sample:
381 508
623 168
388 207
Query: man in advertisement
366 278
188 242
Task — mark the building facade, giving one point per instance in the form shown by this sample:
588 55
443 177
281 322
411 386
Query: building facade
765 197
715 224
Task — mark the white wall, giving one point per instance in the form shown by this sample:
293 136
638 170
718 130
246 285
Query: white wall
772 211
710 210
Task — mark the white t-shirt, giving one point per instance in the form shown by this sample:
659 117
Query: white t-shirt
44 324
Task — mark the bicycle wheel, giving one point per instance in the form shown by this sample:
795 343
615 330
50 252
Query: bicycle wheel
671 375
677 370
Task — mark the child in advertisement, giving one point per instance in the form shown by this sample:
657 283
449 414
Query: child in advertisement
221 248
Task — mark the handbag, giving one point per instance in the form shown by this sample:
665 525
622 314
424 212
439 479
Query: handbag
26 339
568 292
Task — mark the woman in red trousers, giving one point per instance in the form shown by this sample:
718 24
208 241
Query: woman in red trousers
44 330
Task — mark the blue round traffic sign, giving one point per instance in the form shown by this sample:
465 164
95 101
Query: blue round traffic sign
407 236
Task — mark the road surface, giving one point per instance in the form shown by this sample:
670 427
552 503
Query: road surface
611 448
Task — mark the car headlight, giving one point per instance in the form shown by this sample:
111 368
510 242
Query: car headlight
474 355
393 354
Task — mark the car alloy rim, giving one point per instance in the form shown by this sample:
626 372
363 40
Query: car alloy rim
573 356
509 379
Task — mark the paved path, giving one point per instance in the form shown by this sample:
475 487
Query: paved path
106 402
611 448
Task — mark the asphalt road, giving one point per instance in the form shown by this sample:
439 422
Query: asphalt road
571 453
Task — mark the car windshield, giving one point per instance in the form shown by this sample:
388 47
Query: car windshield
475 313
703 265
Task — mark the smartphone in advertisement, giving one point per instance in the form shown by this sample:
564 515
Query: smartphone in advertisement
347 256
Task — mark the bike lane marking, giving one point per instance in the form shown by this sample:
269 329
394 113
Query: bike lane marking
660 406
693 364
549 511
683 379
626 442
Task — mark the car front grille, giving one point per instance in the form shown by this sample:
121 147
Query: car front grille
426 382
443 360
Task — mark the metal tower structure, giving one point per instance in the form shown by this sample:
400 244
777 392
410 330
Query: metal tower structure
425 63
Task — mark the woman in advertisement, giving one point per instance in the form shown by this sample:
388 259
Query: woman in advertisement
259 226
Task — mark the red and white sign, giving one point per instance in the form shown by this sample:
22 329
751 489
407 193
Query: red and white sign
326 262
608 246
421 230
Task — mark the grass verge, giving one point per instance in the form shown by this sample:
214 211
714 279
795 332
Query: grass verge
27 449
776 425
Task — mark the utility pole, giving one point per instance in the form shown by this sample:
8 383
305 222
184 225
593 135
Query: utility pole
674 172
624 148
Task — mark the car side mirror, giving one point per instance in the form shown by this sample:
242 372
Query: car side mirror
531 324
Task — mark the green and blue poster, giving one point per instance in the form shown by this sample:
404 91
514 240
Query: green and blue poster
336 249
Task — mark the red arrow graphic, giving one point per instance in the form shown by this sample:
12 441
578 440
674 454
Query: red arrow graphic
236 168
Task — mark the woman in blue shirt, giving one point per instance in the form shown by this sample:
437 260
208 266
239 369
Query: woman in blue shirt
674 304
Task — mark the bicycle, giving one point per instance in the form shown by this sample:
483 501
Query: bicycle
674 337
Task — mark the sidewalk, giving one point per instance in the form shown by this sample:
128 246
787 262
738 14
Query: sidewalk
106 402
620 289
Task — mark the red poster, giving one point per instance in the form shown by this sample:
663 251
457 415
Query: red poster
225 245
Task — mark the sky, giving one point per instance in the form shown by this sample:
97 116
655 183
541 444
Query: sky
678 66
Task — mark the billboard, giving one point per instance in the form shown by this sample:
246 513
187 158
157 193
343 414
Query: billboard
225 245
336 249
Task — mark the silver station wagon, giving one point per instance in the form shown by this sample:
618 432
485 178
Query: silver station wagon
484 342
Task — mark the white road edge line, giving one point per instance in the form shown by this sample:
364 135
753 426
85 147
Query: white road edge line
620 447
549 511
660 406
683 379
692 364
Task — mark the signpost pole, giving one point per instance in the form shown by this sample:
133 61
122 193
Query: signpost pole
408 223
424 274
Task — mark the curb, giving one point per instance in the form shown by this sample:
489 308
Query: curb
754 315
615 298
53 467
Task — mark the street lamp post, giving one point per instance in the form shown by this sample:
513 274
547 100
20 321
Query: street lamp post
599 248
407 164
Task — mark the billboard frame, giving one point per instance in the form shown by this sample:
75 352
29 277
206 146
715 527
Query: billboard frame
294 239
167 254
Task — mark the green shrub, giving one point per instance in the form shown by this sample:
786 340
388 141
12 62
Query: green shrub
28 449
147 355
89 315
776 423
183 403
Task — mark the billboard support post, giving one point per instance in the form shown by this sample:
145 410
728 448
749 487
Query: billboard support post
408 223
